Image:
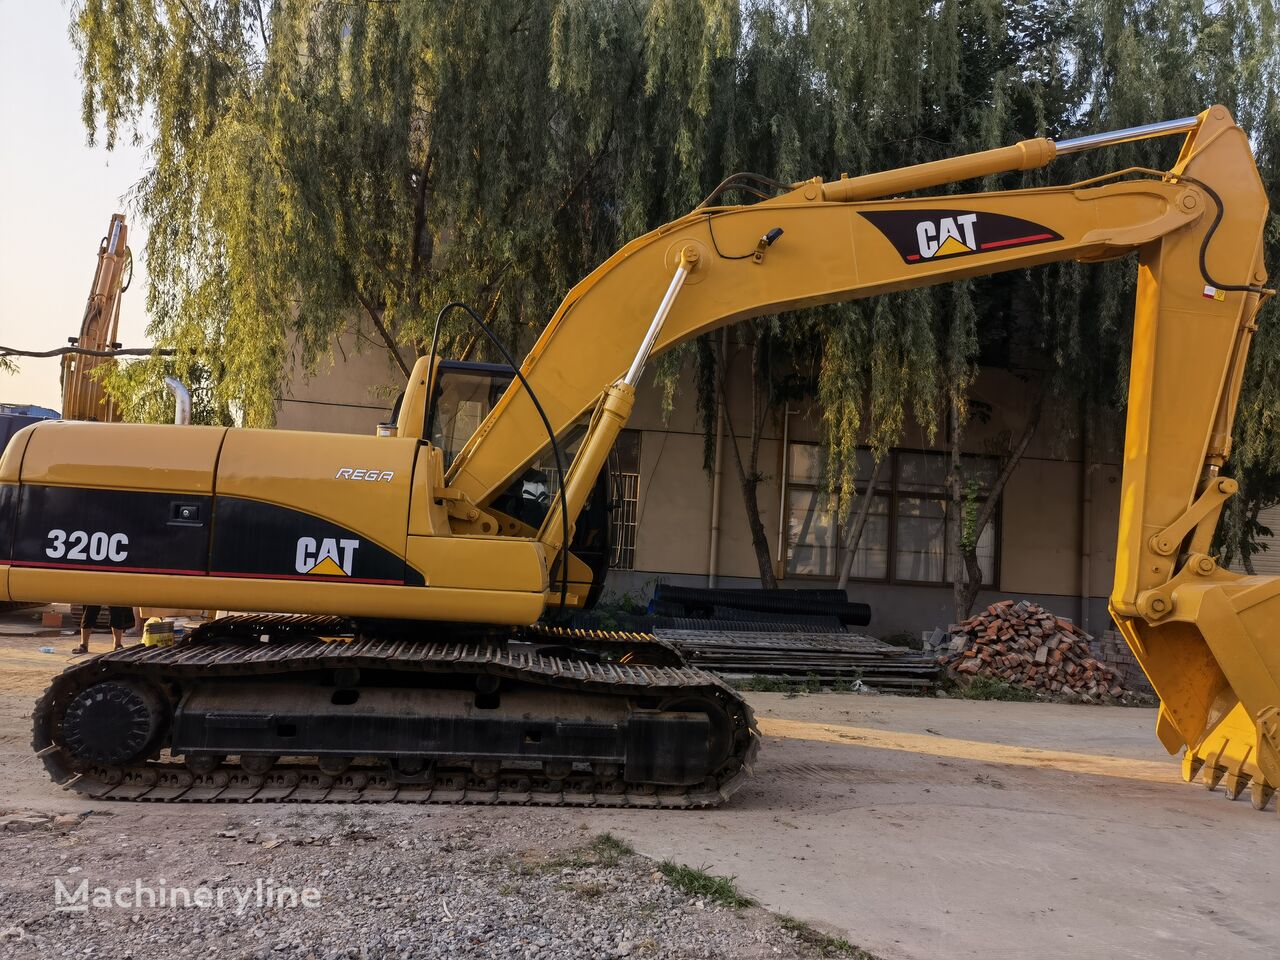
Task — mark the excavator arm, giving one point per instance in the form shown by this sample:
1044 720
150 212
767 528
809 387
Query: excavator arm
83 397
1203 635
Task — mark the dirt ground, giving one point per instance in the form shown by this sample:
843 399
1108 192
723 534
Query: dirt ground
919 829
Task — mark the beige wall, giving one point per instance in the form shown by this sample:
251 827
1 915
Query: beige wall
351 392
1266 561
1040 528
1042 515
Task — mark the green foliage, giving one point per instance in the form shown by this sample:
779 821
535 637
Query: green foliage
794 686
992 688
608 850
143 398
699 883
321 162
820 943
969 531
763 683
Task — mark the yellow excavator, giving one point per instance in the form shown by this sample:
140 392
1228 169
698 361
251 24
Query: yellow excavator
412 575
83 396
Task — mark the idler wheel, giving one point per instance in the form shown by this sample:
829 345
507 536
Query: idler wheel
257 764
113 722
334 766
203 764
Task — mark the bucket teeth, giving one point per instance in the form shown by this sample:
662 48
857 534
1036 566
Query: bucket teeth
1211 775
1238 775
1234 783
1228 755
1260 792
1212 770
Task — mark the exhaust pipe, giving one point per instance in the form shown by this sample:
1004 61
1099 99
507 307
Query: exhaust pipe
182 400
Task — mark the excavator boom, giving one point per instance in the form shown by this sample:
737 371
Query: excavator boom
256 520
83 397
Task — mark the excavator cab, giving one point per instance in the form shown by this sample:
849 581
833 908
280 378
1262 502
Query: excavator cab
465 393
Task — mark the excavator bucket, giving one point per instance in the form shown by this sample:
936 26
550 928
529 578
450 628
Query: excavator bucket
1219 683
1208 639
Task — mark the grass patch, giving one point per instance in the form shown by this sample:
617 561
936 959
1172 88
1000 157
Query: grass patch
700 883
605 850
608 849
585 891
992 688
820 943
794 686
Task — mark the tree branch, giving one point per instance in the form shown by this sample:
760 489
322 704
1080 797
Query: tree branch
85 351
420 217
262 28
1011 462
376 319
860 524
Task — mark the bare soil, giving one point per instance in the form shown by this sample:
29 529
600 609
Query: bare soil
919 829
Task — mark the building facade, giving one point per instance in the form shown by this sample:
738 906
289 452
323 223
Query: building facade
1052 539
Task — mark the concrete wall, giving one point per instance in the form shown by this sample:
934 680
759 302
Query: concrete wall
1043 534
1267 560
351 392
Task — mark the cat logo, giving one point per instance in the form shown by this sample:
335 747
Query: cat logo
922 236
947 237
328 557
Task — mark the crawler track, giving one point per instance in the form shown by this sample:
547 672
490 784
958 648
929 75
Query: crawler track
622 666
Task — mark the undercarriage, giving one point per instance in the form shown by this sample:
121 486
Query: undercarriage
312 709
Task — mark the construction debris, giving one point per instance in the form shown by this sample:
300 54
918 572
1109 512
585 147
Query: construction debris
1026 646
810 607
824 657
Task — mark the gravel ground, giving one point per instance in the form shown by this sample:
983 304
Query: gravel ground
405 882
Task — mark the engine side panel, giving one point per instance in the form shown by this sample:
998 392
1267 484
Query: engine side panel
281 521
263 540
121 531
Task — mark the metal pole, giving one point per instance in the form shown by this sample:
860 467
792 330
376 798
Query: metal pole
182 401
787 414
713 548
1145 132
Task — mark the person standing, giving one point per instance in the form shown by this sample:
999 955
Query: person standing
120 618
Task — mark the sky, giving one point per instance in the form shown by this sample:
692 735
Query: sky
57 196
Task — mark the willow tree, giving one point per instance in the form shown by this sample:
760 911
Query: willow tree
825 87
940 79
318 162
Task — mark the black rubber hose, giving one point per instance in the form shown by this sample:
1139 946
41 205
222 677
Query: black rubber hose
1208 237
429 411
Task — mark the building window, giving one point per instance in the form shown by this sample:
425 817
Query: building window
905 538
624 468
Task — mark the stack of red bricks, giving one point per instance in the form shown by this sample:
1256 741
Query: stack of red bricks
1027 646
